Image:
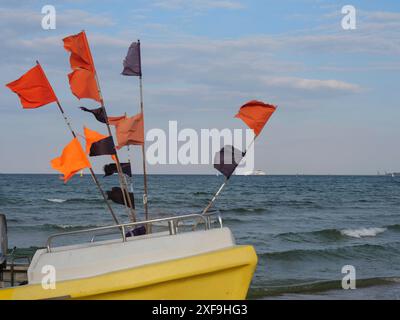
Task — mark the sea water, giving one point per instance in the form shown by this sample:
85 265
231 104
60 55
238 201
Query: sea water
304 228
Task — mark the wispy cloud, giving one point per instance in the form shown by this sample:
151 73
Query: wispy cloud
198 4
312 84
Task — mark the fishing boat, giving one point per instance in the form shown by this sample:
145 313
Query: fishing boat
190 256
198 264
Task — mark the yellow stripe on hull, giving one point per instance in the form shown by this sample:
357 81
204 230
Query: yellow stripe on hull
223 274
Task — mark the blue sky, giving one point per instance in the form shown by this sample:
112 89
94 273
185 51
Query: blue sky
337 90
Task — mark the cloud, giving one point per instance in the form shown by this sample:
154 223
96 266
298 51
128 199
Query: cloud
198 4
28 21
312 84
382 15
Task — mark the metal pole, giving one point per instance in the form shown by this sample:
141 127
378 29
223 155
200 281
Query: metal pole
143 155
215 196
143 145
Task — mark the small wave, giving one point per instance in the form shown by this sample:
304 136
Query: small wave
53 227
67 227
329 253
325 234
362 232
201 193
315 287
56 200
239 210
394 227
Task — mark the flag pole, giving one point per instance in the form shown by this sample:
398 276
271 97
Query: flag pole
123 183
215 196
146 210
68 123
96 181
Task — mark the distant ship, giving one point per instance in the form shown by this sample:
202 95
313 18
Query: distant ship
254 173
392 174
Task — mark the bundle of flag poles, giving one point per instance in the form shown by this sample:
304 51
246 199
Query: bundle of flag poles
34 91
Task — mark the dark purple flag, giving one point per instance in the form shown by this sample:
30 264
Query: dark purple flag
227 159
116 196
98 113
132 62
110 169
103 147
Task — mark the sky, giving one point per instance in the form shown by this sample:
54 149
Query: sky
337 90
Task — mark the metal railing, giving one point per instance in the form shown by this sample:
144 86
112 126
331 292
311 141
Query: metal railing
172 224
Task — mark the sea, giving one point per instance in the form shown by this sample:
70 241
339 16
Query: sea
305 229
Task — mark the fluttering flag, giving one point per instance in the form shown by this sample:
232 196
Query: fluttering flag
91 137
33 89
113 121
130 131
110 169
103 147
72 160
256 114
98 144
82 78
227 159
116 196
98 113
132 62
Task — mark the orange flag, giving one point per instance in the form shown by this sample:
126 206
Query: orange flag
130 131
113 121
72 160
33 89
82 79
256 114
91 137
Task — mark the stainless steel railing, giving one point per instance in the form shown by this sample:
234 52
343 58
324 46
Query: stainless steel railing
172 224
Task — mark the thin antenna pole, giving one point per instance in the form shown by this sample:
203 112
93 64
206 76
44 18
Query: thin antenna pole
68 123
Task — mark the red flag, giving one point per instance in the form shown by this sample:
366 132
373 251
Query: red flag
33 89
72 160
82 79
256 114
130 131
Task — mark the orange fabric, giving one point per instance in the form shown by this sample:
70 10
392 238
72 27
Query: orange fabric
113 121
82 80
33 89
256 114
83 84
130 131
72 160
80 54
91 137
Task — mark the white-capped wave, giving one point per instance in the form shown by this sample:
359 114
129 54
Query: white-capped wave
362 232
56 200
